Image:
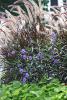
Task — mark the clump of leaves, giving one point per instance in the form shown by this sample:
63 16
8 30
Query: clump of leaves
41 91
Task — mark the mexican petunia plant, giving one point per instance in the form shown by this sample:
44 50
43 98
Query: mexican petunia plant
25 65
31 63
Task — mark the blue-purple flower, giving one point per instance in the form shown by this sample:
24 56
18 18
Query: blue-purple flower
26 75
23 57
23 51
21 70
24 80
56 61
30 57
39 56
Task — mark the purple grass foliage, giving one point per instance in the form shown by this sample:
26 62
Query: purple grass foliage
13 52
5 53
9 54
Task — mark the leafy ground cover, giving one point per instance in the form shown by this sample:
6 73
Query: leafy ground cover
41 91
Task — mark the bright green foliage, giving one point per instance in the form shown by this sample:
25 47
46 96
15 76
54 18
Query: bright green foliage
41 91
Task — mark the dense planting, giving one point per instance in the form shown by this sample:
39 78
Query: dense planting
33 51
